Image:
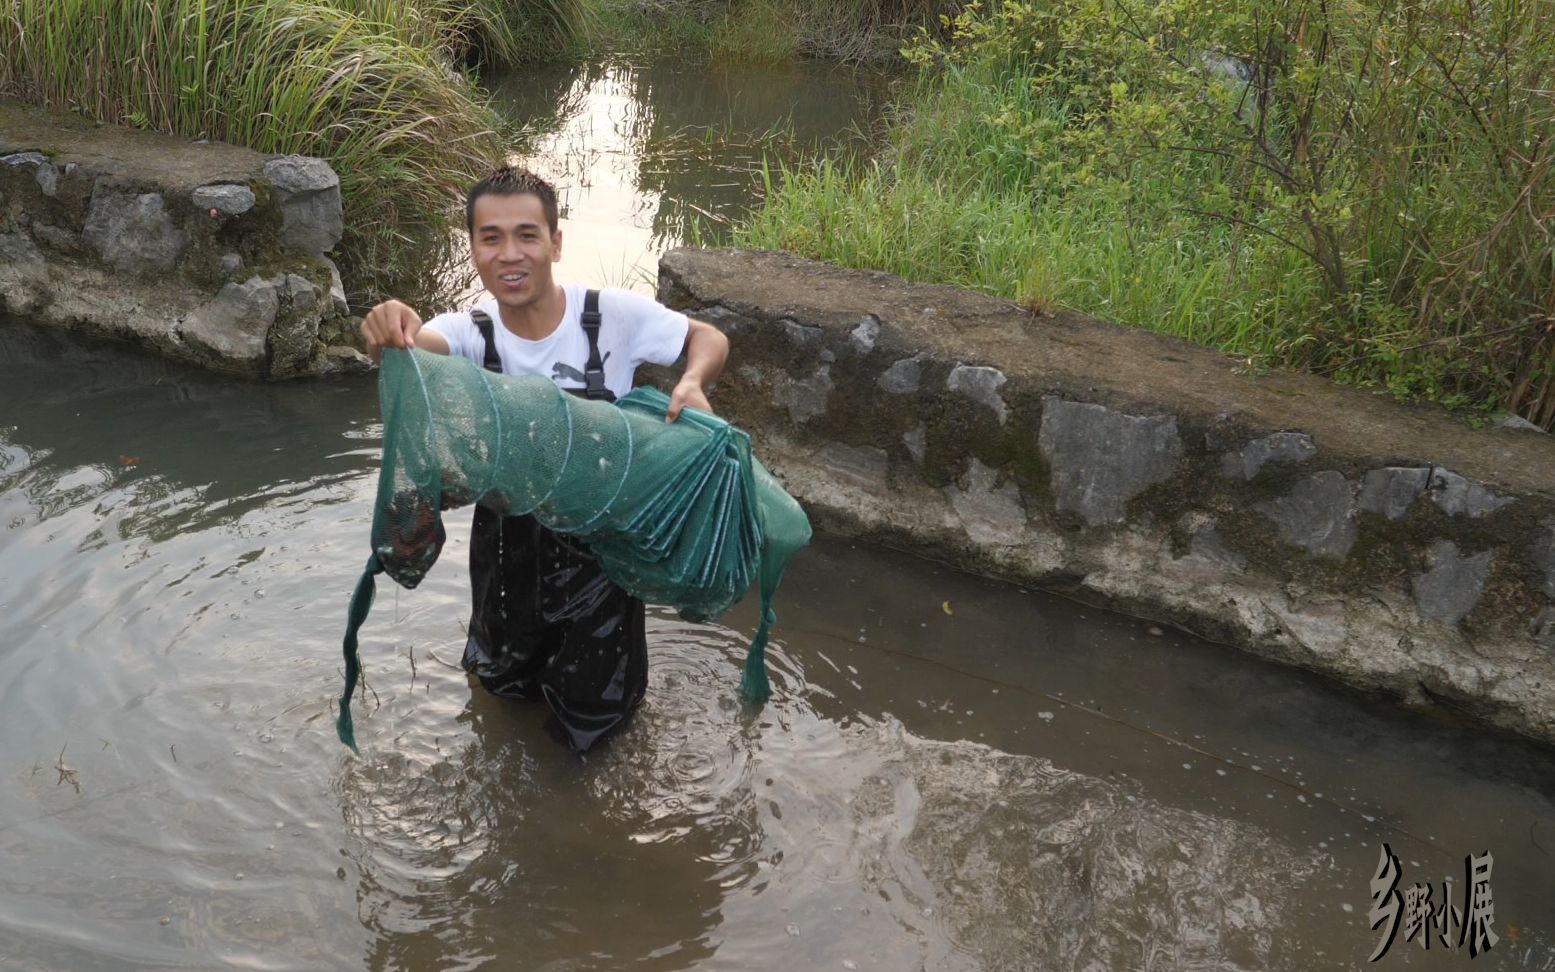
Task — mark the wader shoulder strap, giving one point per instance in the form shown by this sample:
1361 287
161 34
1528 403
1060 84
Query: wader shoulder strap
482 321
594 371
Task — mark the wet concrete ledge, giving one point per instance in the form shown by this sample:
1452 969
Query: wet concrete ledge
1327 527
205 252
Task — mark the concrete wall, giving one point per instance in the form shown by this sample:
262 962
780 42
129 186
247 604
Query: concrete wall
204 252
1392 547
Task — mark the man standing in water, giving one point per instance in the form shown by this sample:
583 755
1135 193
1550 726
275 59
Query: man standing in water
546 624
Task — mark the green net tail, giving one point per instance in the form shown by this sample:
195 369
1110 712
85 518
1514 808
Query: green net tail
361 603
754 686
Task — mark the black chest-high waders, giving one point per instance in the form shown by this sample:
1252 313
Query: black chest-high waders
546 624
586 508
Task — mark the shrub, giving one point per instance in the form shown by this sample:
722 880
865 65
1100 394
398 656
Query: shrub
769 31
1361 188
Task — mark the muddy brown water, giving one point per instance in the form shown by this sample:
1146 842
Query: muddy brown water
954 774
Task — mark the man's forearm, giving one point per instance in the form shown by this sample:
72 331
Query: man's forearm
706 351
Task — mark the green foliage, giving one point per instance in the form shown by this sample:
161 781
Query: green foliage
767 31
1361 188
370 85
498 33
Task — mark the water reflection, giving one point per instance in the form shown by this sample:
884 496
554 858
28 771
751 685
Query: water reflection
648 156
137 426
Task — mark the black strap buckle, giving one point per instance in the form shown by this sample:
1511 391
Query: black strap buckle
594 371
493 361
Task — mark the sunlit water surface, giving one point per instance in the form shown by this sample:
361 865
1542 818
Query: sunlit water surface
647 156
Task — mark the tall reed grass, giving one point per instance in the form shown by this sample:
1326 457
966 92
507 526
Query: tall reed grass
371 85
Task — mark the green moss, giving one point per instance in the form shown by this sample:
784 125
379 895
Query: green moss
765 31
1031 471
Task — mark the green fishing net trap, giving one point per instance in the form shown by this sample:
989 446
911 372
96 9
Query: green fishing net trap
680 514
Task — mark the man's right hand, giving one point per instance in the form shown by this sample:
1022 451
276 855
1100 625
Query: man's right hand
391 324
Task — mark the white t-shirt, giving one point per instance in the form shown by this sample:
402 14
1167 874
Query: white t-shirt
633 329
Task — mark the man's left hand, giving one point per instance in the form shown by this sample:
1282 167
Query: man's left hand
687 393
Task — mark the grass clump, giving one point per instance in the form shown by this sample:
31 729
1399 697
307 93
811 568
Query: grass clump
493 33
372 86
1360 188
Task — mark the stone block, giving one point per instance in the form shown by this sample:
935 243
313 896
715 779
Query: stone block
1506 420
802 335
806 398
296 329
298 174
902 378
990 516
863 337
24 274
308 192
1390 491
1317 515
1451 586
337 290
133 232
726 320
1459 497
981 385
236 324
48 178
1100 458
861 467
916 442
1279 447
226 199
340 359
1207 543
17 251
53 236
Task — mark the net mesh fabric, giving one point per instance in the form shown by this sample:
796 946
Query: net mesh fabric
678 513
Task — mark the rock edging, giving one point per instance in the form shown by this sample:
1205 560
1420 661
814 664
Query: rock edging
1326 527
204 252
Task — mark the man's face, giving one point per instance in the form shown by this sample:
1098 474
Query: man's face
513 248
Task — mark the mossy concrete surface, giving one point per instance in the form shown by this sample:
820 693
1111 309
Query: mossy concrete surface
1329 527
206 252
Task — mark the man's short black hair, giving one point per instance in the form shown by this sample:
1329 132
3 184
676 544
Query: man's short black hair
508 181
